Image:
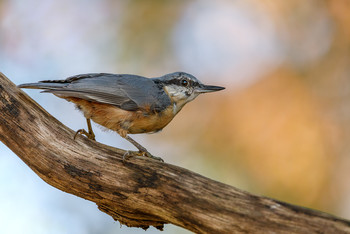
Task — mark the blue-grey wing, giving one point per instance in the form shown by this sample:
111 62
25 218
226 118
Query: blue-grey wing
128 92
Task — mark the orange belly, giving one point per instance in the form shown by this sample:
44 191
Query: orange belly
122 121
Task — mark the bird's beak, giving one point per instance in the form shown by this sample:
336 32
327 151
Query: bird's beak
208 88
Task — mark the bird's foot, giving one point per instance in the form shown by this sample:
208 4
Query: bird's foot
128 154
147 154
89 135
142 150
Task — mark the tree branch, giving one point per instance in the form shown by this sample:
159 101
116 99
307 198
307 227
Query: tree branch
141 192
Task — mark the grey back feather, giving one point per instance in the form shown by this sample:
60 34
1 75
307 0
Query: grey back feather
128 92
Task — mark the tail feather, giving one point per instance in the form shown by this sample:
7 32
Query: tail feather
41 85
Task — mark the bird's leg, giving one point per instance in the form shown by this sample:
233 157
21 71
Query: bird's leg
90 134
142 149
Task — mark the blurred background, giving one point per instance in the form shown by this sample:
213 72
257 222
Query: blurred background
280 129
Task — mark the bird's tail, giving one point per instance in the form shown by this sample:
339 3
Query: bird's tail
41 85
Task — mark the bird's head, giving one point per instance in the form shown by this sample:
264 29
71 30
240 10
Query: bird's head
182 87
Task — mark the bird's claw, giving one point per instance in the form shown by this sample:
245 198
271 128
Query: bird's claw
128 154
91 136
147 154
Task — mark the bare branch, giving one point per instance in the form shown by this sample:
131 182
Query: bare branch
142 192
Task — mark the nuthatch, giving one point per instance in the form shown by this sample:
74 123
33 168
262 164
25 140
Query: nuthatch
127 104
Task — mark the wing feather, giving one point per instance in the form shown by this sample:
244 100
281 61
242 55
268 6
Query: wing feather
129 92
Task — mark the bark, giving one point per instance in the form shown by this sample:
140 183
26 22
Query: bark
141 192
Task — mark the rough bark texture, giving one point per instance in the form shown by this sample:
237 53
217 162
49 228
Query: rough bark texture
142 192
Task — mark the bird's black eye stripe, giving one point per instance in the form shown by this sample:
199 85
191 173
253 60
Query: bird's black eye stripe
185 82
195 84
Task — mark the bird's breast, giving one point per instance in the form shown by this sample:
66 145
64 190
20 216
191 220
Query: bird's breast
147 123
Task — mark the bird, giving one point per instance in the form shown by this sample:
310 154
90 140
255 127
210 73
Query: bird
125 103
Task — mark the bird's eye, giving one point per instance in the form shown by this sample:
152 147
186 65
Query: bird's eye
184 82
